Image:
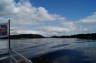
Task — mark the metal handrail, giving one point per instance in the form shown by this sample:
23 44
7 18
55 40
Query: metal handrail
27 60
14 59
2 58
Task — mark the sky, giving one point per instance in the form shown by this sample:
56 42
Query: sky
49 17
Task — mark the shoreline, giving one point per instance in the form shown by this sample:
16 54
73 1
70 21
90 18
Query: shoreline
37 36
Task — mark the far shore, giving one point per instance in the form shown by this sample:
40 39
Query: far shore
31 36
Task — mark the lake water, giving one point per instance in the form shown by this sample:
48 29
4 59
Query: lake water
57 50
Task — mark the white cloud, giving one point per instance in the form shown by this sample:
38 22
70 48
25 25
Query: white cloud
85 25
25 14
56 29
7 7
3 19
90 19
24 11
29 14
69 23
28 32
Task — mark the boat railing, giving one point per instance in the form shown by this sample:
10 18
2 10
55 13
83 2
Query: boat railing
20 56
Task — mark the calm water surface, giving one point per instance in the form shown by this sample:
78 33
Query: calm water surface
58 50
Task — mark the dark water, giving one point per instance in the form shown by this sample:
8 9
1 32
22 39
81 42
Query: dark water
55 50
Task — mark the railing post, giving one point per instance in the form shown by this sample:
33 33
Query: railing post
9 44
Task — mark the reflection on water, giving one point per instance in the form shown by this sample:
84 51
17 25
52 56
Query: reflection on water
3 46
58 50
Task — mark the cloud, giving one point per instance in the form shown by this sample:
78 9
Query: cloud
87 24
84 25
24 11
41 32
90 19
56 29
24 16
7 7
68 23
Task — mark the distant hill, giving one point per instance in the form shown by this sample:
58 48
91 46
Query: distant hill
81 36
24 36
85 36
